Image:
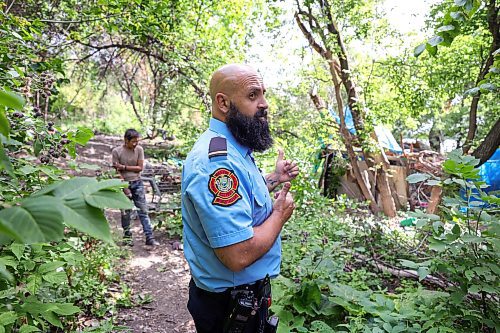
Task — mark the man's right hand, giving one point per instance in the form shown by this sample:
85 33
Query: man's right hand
284 204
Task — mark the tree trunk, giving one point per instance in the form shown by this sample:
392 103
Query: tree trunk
494 28
339 68
489 145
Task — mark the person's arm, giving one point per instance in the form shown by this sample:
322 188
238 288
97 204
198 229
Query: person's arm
116 163
285 171
240 255
134 168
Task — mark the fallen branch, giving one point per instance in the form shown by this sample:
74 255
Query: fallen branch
406 273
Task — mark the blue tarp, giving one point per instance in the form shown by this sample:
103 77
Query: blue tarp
385 137
490 172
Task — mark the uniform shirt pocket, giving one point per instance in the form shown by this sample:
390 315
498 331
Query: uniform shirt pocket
261 205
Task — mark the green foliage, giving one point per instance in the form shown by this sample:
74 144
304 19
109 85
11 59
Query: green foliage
465 239
326 286
451 24
54 283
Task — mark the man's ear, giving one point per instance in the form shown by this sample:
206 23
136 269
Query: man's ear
222 101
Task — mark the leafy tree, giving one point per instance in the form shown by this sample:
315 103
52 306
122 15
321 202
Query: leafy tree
465 17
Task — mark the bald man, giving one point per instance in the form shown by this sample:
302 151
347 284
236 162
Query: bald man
231 225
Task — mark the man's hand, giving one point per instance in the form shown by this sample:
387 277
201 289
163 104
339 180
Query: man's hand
285 171
127 192
284 204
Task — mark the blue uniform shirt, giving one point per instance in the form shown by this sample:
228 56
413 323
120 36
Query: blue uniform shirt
223 198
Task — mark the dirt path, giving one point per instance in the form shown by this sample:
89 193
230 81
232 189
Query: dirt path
159 274
158 277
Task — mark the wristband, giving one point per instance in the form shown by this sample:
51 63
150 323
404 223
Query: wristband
125 167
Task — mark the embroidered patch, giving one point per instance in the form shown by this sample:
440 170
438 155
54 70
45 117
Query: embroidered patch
224 184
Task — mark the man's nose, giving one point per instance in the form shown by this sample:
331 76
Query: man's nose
263 104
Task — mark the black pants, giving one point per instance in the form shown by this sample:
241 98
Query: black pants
210 310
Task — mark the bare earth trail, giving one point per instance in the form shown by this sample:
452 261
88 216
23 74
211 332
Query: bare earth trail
158 277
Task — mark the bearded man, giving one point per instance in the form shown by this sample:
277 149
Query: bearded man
231 225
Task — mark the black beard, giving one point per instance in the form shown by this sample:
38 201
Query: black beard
251 132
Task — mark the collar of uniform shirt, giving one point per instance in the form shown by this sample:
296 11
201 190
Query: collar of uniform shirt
220 127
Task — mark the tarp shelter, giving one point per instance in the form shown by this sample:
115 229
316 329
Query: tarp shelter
385 137
490 172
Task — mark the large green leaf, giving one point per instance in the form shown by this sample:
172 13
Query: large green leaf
5 162
36 220
28 329
4 124
8 318
90 220
109 199
107 184
11 100
5 274
82 135
73 188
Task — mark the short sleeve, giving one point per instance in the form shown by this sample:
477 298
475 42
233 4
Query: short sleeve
114 156
141 154
222 202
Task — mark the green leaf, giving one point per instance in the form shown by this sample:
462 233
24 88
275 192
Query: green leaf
408 263
51 318
90 220
8 318
472 91
433 182
34 283
36 220
4 124
460 2
6 275
417 177
82 136
50 266
56 277
109 199
438 246
5 162
28 329
37 147
72 188
487 87
469 238
422 272
11 100
419 49
17 249
456 16
431 49
446 28
65 309
436 40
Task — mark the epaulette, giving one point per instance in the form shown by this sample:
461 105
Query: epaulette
217 147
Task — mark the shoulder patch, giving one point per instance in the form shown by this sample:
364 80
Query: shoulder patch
223 184
217 147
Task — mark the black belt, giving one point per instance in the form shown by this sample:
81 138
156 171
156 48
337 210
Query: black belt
226 293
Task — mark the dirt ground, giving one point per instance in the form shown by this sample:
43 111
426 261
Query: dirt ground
157 276
160 274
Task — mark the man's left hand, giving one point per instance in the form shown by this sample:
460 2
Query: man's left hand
286 170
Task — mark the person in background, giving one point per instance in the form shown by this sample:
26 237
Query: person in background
231 226
128 160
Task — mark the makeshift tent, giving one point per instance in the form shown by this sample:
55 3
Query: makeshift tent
490 172
385 137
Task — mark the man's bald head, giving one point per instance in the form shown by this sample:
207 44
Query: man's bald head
228 78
